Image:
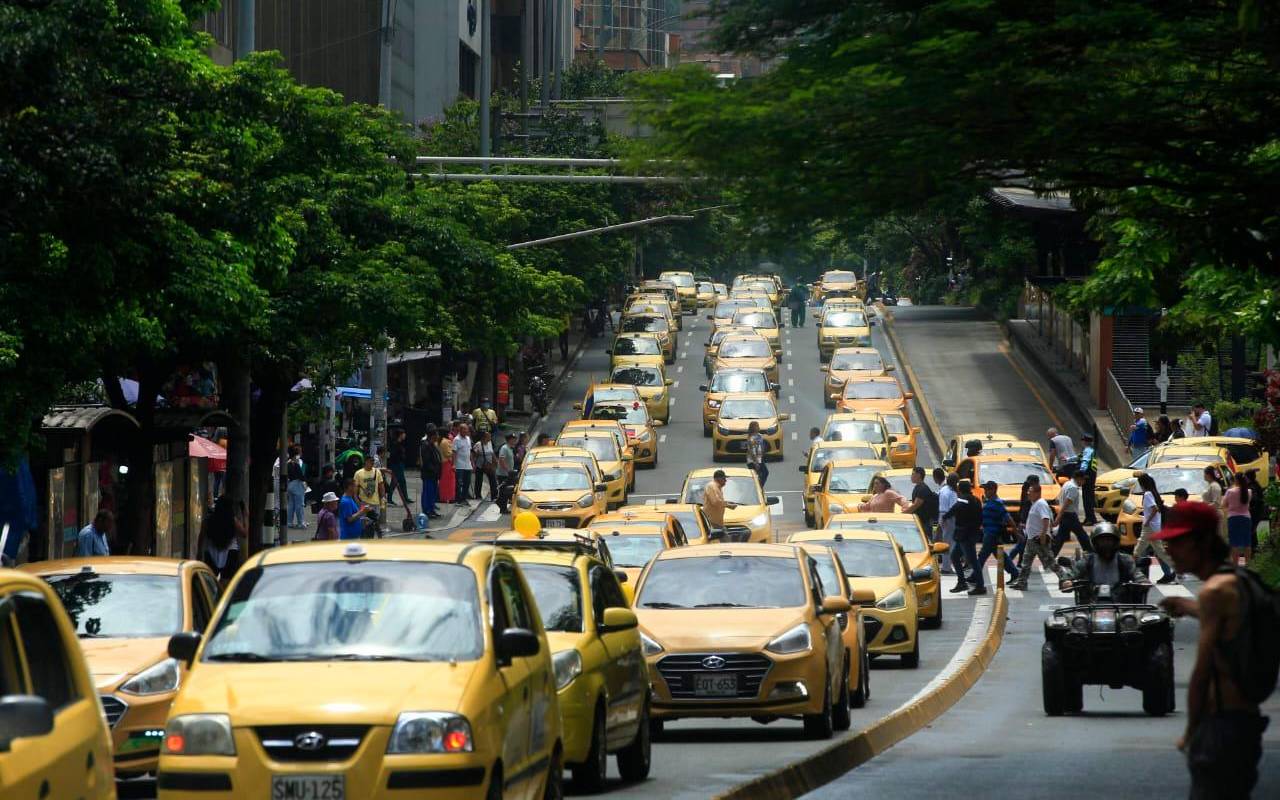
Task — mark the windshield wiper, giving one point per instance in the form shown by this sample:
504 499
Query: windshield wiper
724 605
239 655
661 604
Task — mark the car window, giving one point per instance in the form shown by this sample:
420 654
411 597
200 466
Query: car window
121 606
717 581
745 348
48 661
635 550
1008 472
861 361
905 532
855 450
867 558
519 609
689 521
635 413
12 680
1243 453
606 394
644 324
605 591
747 408
895 424
210 585
854 430
558 595
738 382
852 479
200 610
554 479
755 319
845 319
636 345
744 489
832 584
638 376
604 448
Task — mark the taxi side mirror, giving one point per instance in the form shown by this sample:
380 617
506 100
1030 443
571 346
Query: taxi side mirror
863 597
657 423
785 417
891 368
609 351
772 500
939 547
835 605
922 574
22 716
776 387
628 457
703 388
183 646
618 619
620 575
602 487
711 316
669 381
893 439
802 468
917 430
909 395
517 643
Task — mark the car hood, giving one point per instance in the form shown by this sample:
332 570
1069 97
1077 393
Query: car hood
850 404
741 425
372 693
710 628
881 586
1113 475
831 330
113 660
560 496
849 499
743 513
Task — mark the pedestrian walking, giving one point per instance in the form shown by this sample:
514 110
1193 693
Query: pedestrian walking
756 449
296 488
94 538
506 473
221 533
965 469
1164 429
1070 513
1039 537
485 417
327 519
396 460
1223 738
797 302
947 524
352 514
1257 508
967 513
1088 466
328 483
484 463
430 469
448 476
1239 524
924 502
995 521
714 504
1140 434
371 490
1020 521
462 462
1061 449
815 439
1152 521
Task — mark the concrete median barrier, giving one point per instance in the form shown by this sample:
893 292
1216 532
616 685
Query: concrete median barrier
931 426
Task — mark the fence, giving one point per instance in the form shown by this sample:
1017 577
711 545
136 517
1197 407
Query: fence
1118 404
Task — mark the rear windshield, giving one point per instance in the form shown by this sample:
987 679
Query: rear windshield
638 376
860 361
633 413
845 319
855 430
735 382
905 532
120 606
634 550
551 479
855 450
604 448
745 348
737 489
636 345
864 390
1014 472
755 319
852 479
718 581
644 324
683 281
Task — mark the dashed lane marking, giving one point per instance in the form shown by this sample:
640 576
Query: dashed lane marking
789 365
791 398
791 381
662 438
675 384
680 368
793 436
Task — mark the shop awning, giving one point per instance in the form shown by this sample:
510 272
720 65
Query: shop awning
354 392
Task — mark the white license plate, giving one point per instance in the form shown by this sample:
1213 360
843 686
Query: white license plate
553 523
308 787
714 684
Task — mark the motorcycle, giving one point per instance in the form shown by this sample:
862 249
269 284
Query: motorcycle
538 393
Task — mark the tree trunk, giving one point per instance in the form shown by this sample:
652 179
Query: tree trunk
234 374
139 517
268 415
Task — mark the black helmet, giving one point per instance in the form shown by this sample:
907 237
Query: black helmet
1105 529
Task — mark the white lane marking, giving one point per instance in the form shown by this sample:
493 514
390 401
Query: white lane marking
991 584
791 381
973 637
793 436
490 514
1168 590
680 368
789 366
684 354
791 398
1051 582
776 511
671 402
788 354
675 384
662 438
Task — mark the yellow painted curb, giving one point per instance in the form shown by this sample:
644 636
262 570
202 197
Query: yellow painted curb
826 765
930 421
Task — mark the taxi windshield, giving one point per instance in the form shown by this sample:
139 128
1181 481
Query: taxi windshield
839 277
867 558
735 382
558 595
633 412
636 346
120 606
742 489
845 319
862 361
554 480
638 376
644 324
717 582
683 281
755 319
605 448
747 408
852 450
706 288
350 611
1008 472
895 423
855 430
853 479
905 532
634 550
877 390
901 484
555 455
1170 479
612 393
745 348
728 308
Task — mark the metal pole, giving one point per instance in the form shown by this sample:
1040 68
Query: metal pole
282 514
246 38
548 22
486 78
378 388
526 56
557 52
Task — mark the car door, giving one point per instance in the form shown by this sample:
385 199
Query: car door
821 501
74 759
200 602
829 623
625 673
513 707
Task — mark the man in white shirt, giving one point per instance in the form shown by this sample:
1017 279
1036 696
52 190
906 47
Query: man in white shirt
1061 450
462 462
947 527
1070 513
1039 538
815 439
1201 420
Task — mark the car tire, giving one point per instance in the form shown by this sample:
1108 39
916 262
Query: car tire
706 432
656 728
1052 679
934 622
820 725
912 660
495 784
553 789
1072 696
840 717
590 776
808 519
1159 678
635 759
859 696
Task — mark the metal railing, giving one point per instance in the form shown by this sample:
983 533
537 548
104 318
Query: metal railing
1118 404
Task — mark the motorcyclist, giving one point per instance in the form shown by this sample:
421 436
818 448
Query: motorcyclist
1106 565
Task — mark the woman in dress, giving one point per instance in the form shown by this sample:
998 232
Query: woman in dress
448 477
1213 496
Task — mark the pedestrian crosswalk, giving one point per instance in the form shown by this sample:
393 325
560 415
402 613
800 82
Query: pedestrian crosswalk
1045 584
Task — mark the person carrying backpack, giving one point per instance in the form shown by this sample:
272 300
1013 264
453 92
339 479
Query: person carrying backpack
1237 657
1140 434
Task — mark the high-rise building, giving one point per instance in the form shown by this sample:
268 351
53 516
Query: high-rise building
695 46
628 35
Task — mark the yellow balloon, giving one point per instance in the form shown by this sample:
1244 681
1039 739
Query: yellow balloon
527 524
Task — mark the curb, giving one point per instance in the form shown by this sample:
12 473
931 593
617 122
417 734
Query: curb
826 765
455 521
930 421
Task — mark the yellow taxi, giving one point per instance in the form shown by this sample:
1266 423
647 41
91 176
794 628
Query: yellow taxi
767 288
884 395
921 552
1018 447
693 522
874 561
834 304
561 494
843 484
1169 476
852 630
1113 486
746 351
639 427
956 449
577 455
835 283
904 447
124 609
722 314
668 290
712 347
729 382
857 426
706 294
660 326
651 382
722 290
899 480
651 303
847 363
751 520
54 741
1246 455
1009 472
686 288
609 444
737 412
764 323
601 678
636 348
816 461
362 669
634 540
840 328
715 650
607 393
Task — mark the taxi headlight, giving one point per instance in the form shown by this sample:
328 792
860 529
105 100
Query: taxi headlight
199 735
156 679
430 732
586 501
644 436
1057 621
1124 484
724 431
796 640
523 502
1129 507
759 520
567 665
902 447
1128 622
650 647
1080 623
713 404
770 431
893 601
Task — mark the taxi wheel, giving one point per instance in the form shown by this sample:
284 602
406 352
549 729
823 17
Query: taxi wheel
859 697
554 788
706 432
827 402
634 759
808 519
912 660
934 622
821 725
495 784
591 774
840 717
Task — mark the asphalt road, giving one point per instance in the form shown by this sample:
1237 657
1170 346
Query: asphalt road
997 740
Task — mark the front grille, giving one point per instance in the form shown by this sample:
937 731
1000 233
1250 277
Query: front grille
555 506
114 708
736 446
311 742
737 533
678 670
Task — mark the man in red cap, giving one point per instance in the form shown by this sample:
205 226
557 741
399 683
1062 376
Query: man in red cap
1223 739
